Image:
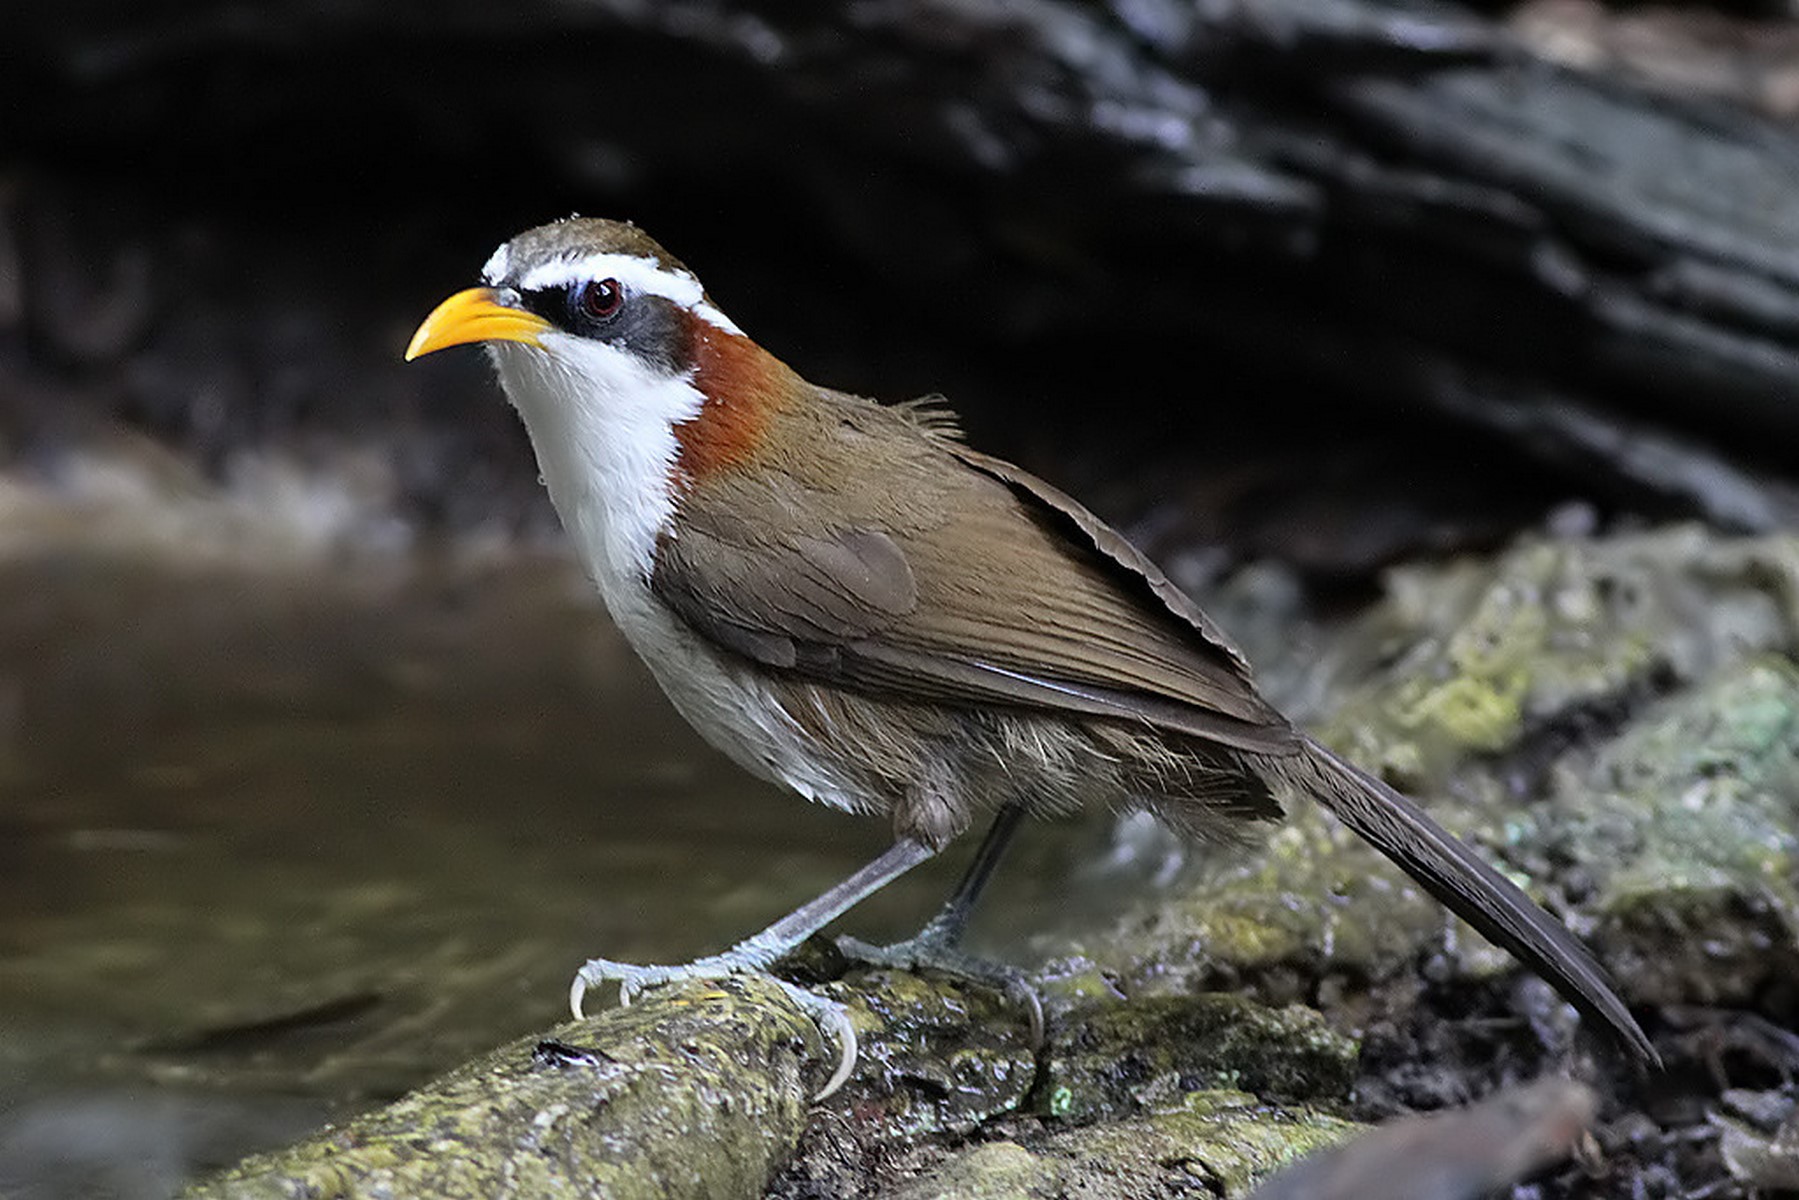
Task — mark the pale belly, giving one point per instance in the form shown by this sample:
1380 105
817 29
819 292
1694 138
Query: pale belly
726 702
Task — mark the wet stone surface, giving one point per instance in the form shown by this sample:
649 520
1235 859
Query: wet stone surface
1474 657
1124 1057
589 1111
1210 1143
939 1060
1697 896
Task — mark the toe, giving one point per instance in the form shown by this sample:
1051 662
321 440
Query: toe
1025 996
833 1021
577 993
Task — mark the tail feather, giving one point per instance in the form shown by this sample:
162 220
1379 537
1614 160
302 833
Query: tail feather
1470 888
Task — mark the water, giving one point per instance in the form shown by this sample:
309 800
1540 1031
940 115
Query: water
275 845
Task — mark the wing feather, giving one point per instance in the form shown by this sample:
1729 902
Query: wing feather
979 585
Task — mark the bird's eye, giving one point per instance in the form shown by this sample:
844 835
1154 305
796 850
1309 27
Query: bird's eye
601 298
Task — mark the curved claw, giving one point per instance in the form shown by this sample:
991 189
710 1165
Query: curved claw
631 980
923 953
831 1018
597 971
577 992
1023 994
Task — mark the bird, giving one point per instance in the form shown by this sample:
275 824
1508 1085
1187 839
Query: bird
849 600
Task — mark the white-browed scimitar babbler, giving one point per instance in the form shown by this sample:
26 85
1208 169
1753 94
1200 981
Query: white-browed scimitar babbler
846 599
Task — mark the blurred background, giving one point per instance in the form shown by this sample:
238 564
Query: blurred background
321 768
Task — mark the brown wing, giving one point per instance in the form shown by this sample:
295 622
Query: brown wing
964 581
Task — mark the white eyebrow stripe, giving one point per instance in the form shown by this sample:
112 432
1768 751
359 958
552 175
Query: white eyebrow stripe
638 274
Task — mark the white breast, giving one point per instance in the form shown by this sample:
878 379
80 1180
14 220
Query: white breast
602 424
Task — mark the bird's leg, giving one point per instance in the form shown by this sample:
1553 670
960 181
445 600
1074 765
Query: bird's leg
753 954
936 946
951 922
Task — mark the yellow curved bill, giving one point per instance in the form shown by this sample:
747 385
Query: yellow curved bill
475 315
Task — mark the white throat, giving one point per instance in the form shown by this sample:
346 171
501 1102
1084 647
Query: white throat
602 423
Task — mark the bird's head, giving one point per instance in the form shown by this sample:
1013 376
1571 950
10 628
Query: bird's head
612 351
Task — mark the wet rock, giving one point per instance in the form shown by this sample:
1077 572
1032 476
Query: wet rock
1472 657
993 1170
697 1091
1688 827
1311 897
1120 1058
937 1058
1211 1143
624 1103
942 1063
1631 685
1628 751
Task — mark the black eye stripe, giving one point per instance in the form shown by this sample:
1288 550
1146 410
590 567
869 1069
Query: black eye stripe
648 325
567 305
550 303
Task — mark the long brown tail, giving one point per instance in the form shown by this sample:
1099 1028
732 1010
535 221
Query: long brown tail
1468 887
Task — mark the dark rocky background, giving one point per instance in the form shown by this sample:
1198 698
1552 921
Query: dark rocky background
1331 284
1331 280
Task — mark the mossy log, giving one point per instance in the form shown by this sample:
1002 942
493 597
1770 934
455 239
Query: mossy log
704 1090
695 1091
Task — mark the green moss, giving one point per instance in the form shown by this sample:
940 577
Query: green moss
694 1091
1132 1057
1461 662
995 1171
1312 893
1217 1143
938 1057
1466 658
1689 823
1233 1140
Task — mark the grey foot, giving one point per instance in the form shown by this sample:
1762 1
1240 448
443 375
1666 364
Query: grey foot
932 951
832 1018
